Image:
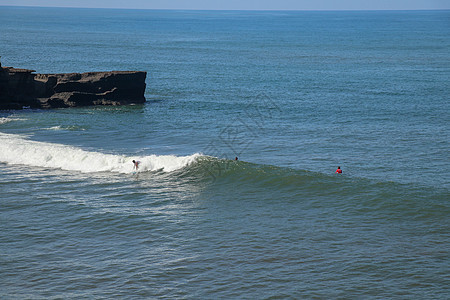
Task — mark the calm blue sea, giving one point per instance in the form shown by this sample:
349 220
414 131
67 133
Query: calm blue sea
293 95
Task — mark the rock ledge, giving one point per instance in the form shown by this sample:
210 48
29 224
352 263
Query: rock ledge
21 88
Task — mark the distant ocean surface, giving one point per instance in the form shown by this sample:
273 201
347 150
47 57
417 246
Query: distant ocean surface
293 95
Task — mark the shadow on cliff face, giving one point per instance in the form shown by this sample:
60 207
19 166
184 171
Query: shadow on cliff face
23 88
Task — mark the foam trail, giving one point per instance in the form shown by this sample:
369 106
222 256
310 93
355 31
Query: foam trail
8 119
15 149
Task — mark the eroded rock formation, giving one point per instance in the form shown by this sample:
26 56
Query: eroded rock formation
23 88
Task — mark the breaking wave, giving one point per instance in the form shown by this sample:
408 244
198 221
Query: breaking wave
15 149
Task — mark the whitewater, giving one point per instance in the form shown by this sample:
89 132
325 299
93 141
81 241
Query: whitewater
15 149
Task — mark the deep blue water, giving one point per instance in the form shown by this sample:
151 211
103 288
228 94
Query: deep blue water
293 95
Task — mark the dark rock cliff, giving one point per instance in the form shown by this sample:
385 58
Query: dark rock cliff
23 88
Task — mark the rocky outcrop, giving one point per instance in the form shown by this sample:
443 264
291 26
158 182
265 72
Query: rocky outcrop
23 88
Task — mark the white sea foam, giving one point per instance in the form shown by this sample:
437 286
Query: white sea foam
70 128
15 149
8 119
54 128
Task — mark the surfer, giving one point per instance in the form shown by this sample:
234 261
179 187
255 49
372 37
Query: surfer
236 158
136 164
339 170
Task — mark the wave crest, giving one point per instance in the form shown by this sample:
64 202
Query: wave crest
15 149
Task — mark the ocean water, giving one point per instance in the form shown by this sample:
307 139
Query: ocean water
293 95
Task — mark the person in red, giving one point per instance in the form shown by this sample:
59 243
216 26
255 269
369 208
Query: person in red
339 170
